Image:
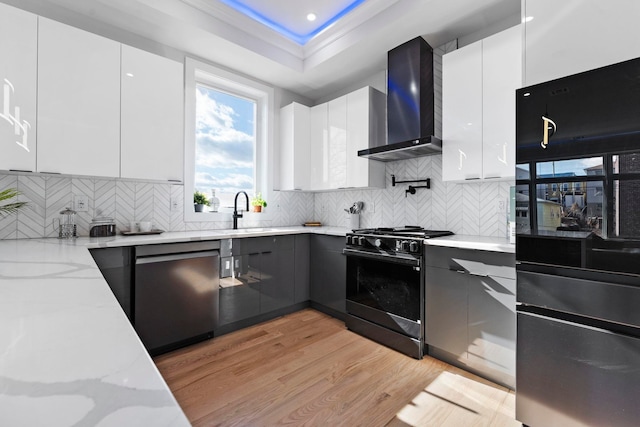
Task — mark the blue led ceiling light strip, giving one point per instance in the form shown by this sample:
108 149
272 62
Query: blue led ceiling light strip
298 38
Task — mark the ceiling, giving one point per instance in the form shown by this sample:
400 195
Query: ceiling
347 43
289 18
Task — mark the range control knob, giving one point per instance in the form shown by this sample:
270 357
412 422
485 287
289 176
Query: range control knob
377 243
413 247
348 240
405 245
398 245
362 241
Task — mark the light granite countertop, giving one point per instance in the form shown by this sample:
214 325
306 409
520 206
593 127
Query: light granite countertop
480 243
68 354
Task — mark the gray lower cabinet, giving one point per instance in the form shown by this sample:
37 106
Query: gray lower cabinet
277 275
116 265
328 272
301 260
446 311
470 310
257 277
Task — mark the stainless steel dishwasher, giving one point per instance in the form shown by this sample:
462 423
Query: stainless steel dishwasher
176 294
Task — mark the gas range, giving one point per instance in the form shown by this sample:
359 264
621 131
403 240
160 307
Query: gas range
407 240
385 285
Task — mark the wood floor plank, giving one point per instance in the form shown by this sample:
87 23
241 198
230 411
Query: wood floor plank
306 368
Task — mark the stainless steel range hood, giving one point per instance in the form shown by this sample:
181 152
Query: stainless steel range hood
410 105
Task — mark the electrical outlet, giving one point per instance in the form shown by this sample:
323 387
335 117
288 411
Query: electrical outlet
501 207
370 207
174 204
81 202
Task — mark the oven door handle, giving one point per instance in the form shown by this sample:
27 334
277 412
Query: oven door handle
398 259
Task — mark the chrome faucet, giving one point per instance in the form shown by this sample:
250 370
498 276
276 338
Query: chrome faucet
237 215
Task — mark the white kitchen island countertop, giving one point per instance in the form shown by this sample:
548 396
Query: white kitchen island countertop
68 354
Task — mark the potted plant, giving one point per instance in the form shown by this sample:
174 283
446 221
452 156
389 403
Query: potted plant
10 208
199 201
258 203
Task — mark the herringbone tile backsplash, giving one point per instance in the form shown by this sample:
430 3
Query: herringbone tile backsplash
470 209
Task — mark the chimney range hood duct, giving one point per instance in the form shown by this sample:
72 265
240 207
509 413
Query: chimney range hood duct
410 105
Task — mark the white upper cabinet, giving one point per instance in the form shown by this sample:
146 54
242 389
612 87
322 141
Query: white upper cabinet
152 116
78 101
18 74
319 149
501 76
337 120
478 108
295 147
366 119
571 36
338 129
462 114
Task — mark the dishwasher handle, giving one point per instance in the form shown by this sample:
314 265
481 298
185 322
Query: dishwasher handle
175 257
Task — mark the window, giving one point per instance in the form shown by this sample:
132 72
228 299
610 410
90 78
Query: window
227 137
225 144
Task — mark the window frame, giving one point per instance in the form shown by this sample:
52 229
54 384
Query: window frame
197 72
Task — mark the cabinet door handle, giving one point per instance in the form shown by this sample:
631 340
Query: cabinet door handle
461 159
478 274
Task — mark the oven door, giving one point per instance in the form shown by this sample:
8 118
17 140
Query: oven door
386 290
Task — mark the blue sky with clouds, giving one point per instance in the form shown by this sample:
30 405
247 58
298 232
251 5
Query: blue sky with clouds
225 143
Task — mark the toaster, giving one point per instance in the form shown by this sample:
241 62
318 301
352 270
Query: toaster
102 227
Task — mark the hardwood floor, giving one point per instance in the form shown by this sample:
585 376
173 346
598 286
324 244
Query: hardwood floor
308 369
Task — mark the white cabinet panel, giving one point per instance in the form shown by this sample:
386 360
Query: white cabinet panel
18 74
501 76
366 118
78 101
337 120
572 36
319 138
462 114
479 84
338 129
152 115
295 147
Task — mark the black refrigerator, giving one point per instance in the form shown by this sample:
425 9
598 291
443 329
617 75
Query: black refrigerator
577 214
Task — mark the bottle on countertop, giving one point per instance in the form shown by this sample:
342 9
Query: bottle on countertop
214 202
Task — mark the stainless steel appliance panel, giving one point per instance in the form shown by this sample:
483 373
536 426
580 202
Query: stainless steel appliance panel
611 300
571 375
176 295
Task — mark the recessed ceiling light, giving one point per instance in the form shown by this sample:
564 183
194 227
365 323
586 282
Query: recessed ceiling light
298 36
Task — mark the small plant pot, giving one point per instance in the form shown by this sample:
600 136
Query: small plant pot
257 208
198 207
